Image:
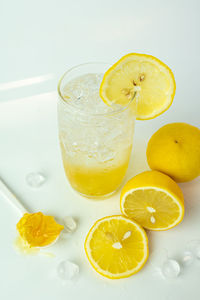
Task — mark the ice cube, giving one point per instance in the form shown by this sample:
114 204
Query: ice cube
69 224
170 268
105 154
194 247
67 270
187 258
35 179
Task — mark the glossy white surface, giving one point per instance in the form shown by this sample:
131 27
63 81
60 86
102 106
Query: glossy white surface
39 41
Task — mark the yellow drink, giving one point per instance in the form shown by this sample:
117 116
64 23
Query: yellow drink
96 139
95 179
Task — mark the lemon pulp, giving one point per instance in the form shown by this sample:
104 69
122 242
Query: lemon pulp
38 230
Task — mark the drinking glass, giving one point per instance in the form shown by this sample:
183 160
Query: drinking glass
96 140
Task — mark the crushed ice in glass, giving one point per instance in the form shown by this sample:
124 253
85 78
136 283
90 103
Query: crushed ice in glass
90 84
35 179
101 141
67 270
170 269
105 155
69 224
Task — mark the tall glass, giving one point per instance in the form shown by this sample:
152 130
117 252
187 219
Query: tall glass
95 146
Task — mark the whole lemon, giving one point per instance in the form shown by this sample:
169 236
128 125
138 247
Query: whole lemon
175 150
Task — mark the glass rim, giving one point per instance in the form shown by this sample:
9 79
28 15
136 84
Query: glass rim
116 111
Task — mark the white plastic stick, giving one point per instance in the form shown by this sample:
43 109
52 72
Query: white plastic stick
11 198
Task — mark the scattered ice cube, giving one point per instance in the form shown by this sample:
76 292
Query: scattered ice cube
35 179
164 266
67 270
69 224
187 258
194 247
170 268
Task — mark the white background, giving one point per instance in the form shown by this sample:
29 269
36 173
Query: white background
44 38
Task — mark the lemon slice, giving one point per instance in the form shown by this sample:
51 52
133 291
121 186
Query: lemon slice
116 247
145 74
154 200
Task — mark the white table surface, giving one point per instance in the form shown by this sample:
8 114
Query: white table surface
40 40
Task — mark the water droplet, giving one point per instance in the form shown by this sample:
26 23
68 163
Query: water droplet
187 258
117 245
69 224
152 219
35 179
67 270
170 268
126 235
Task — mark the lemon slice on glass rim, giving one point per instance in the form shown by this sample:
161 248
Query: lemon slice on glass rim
145 74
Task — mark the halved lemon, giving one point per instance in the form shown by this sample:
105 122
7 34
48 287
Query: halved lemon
154 200
147 76
116 247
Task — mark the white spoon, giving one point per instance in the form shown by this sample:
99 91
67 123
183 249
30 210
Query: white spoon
12 199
